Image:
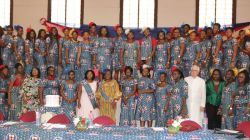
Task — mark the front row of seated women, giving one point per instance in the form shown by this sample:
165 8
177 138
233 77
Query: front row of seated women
132 100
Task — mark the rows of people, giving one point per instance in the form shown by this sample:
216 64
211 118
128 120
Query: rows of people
70 65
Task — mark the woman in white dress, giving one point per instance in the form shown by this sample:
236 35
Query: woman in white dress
87 105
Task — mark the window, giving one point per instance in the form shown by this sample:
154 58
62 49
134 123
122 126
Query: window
5 12
66 12
138 13
219 11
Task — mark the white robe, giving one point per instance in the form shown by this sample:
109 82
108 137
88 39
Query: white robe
196 98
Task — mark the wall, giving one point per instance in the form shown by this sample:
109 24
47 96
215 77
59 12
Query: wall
107 12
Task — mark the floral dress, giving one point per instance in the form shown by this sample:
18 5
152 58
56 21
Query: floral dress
242 99
41 60
118 46
4 83
219 58
51 87
145 110
8 56
161 94
175 50
146 45
205 46
179 92
63 43
127 117
53 55
20 43
30 94
243 58
228 47
72 46
131 56
226 99
31 46
102 50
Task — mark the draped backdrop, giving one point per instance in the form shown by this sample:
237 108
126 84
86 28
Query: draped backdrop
137 32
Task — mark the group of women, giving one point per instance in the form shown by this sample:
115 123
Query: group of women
148 73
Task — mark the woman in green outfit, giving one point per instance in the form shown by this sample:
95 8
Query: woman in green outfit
214 88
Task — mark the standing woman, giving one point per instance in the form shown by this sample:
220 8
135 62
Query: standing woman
177 48
145 110
41 52
108 95
84 57
102 50
14 96
29 50
244 51
242 99
52 43
205 51
217 55
87 104
230 47
118 46
69 91
92 32
19 44
162 55
61 56
226 107
51 82
128 105
214 88
4 87
130 54
179 95
162 94
31 92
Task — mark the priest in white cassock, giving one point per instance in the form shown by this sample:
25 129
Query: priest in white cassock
196 95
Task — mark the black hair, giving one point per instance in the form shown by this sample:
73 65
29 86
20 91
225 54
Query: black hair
28 35
220 74
40 32
232 72
158 34
100 31
187 26
71 71
230 28
241 31
74 32
39 72
246 76
54 36
93 24
181 73
128 68
18 65
1 31
217 24
49 67
176 29
9 26
141 69
91 71
65 29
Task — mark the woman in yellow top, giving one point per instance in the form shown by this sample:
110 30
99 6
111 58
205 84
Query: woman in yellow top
108 95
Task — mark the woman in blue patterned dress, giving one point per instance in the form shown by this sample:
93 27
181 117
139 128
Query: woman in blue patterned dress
41 52
84 57
19 44
102 50
147 47
52 44
61 55
242 99
162 56
51 83
69 92
244 51
130 54
216 51
8 56
14 96
226 109
230 48
128 105
4 85
92 32
118 45
177 48
205 51
162 96
71 51
145 110
179 94
192 53
29 50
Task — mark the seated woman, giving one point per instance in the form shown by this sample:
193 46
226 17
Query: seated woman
4 81
31 93
108 95
87 104
51 83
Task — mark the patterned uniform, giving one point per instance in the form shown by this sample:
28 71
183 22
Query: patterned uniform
69 91
63 43
72 46
41 60
244 60
118 45
179 92
8 56
227 121
102 50
219 58
51 87
53 55
3 96
145 110
228 47
175 50
20 43
128 110
161 101
31 46
205 46
146 45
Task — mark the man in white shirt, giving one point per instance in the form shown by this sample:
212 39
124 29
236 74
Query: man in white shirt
196 95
